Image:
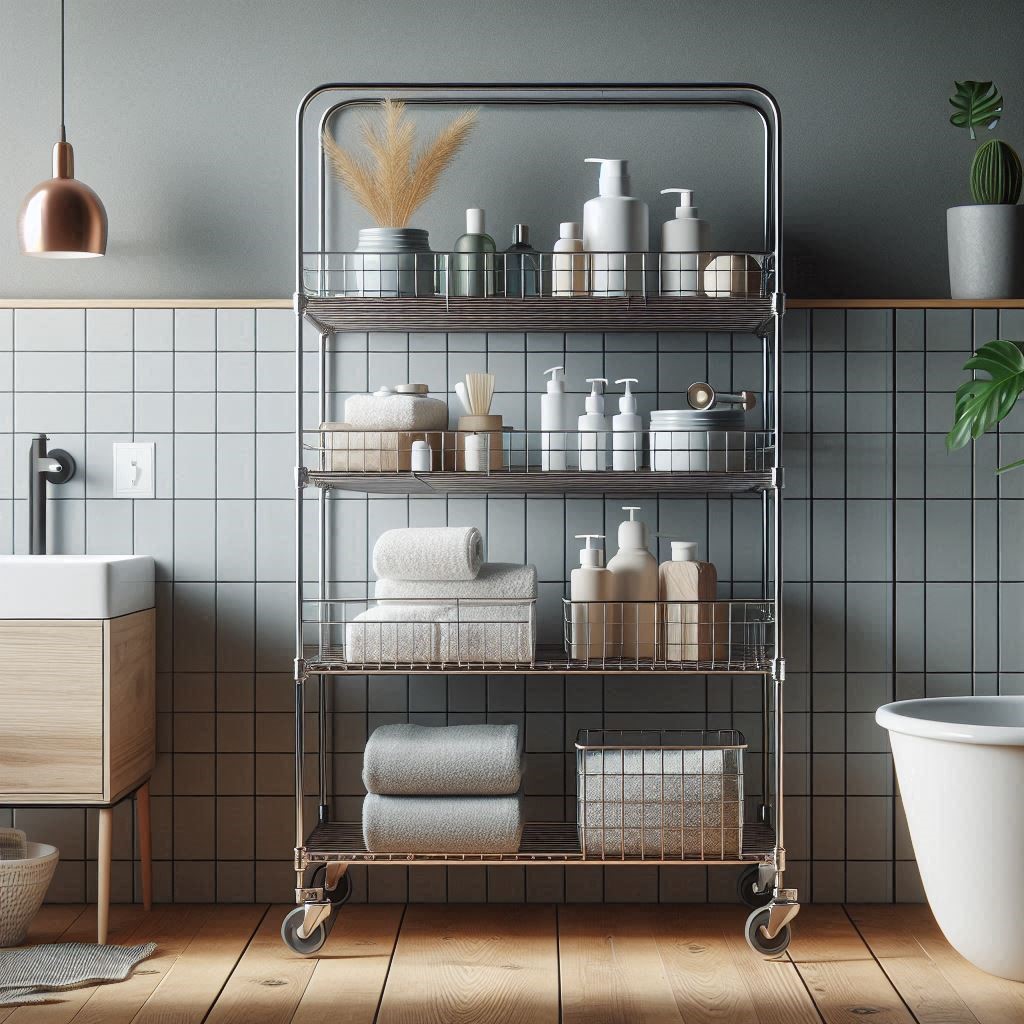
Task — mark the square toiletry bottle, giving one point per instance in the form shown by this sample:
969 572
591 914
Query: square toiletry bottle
687 589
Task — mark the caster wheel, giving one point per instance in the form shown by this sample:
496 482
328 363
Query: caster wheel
759 942
336 896
746 891
290 934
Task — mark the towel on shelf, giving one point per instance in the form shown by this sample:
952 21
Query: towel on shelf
495 579
395 632
429 553
396 412
442 824
498 633
446 760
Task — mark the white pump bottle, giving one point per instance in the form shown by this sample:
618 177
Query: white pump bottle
682 240
636 587
555 419
591 582
616 228
593 429
627 431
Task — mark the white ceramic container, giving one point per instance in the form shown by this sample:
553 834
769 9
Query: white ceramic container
960 764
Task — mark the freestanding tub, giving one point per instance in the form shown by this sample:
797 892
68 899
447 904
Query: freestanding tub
960 765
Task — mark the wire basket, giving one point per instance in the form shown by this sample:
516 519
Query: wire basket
660 794
26 870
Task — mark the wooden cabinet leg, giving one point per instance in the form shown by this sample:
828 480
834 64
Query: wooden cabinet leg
142 824
103 874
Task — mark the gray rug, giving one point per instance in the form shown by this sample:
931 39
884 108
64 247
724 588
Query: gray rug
34 974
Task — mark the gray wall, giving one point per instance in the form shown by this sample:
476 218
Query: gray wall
182 114
903 569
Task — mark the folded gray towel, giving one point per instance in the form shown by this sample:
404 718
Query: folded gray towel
495 579
443 760
442 824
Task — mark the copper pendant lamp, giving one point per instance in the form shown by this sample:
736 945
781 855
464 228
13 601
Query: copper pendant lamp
62 218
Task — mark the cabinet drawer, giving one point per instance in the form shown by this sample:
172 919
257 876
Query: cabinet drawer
51 708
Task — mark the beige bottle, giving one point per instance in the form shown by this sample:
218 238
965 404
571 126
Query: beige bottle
591 582
636 589
688 630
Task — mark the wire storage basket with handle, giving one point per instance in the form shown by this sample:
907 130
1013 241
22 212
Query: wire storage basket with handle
660 794
26 870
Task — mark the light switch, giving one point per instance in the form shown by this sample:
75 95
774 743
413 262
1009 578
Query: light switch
133 469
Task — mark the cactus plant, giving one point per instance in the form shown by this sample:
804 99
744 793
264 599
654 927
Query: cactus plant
995 173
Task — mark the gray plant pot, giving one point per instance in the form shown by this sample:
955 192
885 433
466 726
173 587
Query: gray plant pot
986 251
390 263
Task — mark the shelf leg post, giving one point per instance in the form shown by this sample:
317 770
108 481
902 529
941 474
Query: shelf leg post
324 811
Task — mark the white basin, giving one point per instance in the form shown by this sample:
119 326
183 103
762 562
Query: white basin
74 586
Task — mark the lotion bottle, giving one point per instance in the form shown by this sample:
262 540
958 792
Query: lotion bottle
689 628
682 240
616 229
555 420
636 589
593 428
473 259
591 582
627 431
569 265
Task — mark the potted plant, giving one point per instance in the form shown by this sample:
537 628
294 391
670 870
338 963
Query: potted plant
986 240
391 184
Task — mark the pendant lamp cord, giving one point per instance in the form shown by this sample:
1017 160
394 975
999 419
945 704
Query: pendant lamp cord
63 136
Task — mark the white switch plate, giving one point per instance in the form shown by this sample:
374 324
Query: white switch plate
134 465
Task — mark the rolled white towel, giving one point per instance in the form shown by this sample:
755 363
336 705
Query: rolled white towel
495 579
429 553
394 632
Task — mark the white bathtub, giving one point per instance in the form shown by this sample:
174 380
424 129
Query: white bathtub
960 765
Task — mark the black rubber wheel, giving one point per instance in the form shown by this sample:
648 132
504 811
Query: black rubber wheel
290 934
336 896
759 942
748 894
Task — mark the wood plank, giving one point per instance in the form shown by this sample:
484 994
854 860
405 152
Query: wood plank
354 961
992 1000
124 921
611 968
480 964
190 987
917 978
765 991
266 985
842 976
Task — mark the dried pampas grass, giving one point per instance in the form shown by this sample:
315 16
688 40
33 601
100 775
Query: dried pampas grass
392 183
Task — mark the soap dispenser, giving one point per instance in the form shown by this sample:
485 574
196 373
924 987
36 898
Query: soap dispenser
555 421
616 230
627 431
636 588
473 259
593 429
687 589
591 582
682 241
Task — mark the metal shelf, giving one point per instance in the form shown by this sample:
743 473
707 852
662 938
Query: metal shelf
542 843
642 481
746 315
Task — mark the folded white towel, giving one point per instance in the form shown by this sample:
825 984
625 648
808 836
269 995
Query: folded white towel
495 579
396 412
394 632
498 633
442 824
429 553
443 760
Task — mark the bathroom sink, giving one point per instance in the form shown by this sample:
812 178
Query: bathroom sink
74 586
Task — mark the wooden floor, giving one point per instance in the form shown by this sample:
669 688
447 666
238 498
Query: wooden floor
459 964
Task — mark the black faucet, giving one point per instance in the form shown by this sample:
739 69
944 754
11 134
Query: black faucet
55 467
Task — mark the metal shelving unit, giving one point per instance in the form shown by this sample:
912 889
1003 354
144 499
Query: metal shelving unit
752 641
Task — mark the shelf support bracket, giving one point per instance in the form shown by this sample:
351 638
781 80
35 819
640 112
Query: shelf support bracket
779 669
301 670
299 303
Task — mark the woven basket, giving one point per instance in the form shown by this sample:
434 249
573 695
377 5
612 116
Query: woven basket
26 870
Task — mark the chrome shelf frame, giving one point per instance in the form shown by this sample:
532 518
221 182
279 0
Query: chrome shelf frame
337 845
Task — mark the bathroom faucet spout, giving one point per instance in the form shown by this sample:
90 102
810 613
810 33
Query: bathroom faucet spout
55 467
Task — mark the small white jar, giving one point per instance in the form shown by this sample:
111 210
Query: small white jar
422 457
477 452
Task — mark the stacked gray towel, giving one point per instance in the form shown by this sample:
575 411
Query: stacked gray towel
443 789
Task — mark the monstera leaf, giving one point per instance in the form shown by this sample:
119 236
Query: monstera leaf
975 105
981 404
